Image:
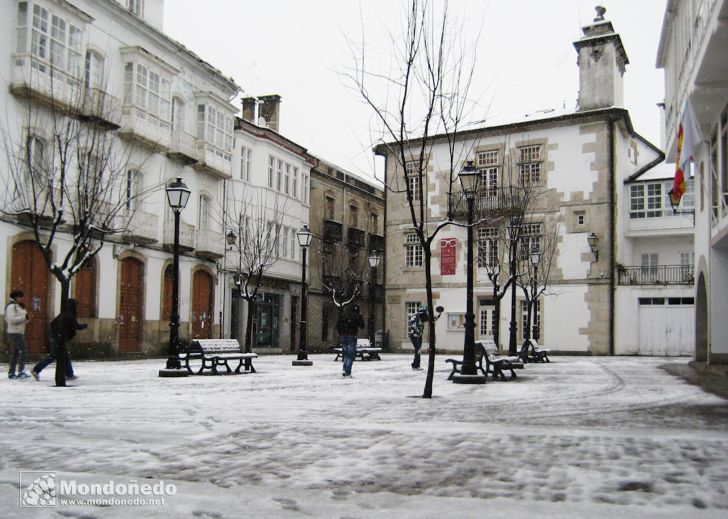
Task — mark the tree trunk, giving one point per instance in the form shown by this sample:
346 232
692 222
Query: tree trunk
431 324
249 325
62 354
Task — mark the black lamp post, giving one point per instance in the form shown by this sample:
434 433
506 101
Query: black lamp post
535 258
304 236
375 257
177 197
469 178
513 232
592 240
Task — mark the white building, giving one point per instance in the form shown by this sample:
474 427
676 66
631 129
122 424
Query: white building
270 189
595 175
692 51
174 111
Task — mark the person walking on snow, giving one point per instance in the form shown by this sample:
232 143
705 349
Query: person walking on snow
415 327
348 326
70 323
15 320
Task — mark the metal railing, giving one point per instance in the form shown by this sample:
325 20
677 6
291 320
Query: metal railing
657 275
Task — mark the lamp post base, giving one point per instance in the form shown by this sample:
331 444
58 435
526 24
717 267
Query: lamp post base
468 379
302 363
174 373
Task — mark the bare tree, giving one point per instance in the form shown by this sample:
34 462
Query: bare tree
425 100
343 269
257 222
66 177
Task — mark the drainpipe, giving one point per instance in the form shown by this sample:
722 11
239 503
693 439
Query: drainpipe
613 232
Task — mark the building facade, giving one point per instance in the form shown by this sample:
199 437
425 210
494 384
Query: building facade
692 52
582 173
172 114
347 219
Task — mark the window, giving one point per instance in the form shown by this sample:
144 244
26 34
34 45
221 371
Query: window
524 318
133 179
304 188
135 6
329 208
530 239
580 218
487 318
203 213
271 176
411 307
147 90
637 201
94 71
167 296
279 173
36 149
287 180
487 246
294 183
374 223
654 200
293 243
245 164
529 164
178 114
413 180
216 128
413 251
646 199
649 264
353 216
488 163
282 241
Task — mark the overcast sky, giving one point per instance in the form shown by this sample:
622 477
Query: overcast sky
298 50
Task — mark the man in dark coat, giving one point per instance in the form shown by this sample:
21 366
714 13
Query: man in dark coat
350 320
68 323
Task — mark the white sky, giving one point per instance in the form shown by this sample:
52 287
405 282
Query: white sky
581 437
298 50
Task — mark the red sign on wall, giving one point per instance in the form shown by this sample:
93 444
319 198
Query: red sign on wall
448 256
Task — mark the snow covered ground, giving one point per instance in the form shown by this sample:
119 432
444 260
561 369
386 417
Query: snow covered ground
580 437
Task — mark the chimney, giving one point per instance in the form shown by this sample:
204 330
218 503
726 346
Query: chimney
270 110
601 62
249 104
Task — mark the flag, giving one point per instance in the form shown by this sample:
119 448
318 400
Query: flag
688 138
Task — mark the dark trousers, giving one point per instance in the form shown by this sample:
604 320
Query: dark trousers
52 357
417 343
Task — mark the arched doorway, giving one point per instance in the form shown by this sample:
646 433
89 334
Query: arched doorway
30 274
202 307
701 321
131 298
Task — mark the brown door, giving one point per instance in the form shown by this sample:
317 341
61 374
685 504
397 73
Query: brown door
30 274
86 289
130 305
202 305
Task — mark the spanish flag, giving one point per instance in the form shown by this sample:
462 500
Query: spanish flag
688 137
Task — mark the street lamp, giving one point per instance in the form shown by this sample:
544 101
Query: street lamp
375 257
469 178
304 236
535 258
177 196
592 240
513 232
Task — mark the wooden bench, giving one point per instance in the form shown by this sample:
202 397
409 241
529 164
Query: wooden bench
217 352
364 351
496 364
457 365
530 352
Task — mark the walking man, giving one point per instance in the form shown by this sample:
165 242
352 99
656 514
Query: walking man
348 326
15 320
415 327
67 323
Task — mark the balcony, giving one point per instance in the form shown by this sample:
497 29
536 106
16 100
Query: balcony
658 275
355 238
492 202
332 231
668 224
209 244
141 227
102 108
213 160
376 242
41 83
183 146
186 236
138 125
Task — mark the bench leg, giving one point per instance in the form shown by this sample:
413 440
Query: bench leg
240 365
249 365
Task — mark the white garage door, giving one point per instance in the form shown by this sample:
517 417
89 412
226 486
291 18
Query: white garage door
667 326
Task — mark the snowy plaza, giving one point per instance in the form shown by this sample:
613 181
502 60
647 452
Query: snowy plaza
579 437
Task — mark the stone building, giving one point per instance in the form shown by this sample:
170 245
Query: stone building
615 237
347 219
692 51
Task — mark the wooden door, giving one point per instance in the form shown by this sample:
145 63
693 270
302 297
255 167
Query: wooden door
130 304
202 308
30 274
85 293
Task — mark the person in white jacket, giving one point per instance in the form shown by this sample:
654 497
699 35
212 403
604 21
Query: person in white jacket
15 320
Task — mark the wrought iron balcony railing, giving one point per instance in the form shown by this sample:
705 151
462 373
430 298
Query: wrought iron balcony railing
657 275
